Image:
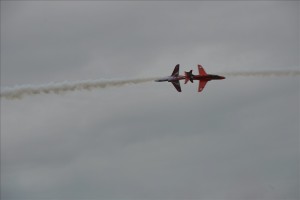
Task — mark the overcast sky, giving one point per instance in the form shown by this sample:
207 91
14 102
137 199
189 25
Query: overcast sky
238 139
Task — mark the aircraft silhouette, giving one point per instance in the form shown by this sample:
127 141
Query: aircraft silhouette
203 78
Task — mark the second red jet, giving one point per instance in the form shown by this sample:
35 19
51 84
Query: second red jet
203 77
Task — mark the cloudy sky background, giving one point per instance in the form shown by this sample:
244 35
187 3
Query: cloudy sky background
238 139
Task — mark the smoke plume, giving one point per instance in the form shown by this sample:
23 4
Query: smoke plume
60 88
18 92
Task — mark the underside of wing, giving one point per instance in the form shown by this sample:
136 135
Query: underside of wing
201 85
177 85
201 70
176 71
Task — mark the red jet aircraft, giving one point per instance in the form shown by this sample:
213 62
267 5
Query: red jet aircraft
203 78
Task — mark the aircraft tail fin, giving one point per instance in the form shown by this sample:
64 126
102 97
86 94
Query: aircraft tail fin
189 76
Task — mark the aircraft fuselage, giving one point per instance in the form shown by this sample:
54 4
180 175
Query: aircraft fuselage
208 77
170 78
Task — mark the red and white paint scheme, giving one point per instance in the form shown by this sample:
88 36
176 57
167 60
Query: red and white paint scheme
203 78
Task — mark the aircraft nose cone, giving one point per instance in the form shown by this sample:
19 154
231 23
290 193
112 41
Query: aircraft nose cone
222 77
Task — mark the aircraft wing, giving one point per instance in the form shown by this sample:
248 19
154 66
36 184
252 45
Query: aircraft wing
201 70
177 85
176 71
201 85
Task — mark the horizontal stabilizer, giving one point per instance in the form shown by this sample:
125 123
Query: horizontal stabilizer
189 76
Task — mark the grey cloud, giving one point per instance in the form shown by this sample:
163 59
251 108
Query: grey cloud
239 139
75 34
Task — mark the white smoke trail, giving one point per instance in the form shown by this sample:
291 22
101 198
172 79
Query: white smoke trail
264 73
18 92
